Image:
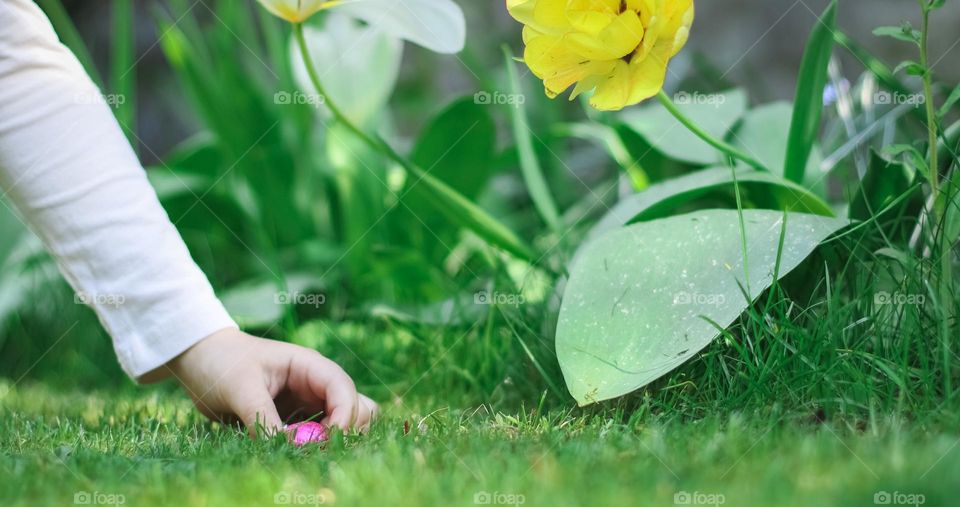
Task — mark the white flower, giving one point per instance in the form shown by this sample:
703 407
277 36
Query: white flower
358 51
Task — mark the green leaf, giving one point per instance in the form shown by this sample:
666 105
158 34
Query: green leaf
607 137
912 68
905 33
764 132
949 103
916 159
646 298
458 148
884 182
529 165
122 72
714 113
657 200
950 197
464 212
260 303
808 105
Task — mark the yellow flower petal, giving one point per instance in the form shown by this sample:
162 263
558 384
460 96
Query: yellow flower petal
618 39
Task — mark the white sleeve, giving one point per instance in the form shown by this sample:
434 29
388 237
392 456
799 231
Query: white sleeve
68 169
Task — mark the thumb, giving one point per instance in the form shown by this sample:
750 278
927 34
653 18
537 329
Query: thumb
255 407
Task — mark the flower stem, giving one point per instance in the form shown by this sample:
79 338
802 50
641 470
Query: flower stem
937 213
459 208
709 139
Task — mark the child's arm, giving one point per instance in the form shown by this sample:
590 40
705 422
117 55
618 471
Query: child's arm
67 167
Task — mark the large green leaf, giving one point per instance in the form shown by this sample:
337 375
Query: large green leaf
643 299
658 199
808 106
458 147
714 113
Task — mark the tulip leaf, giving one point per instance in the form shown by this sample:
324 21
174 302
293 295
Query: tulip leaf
763 133
659 199
714 113
458 147
467 214
646 298
808 105
885 182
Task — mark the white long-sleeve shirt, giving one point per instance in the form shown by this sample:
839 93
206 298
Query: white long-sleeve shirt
70 172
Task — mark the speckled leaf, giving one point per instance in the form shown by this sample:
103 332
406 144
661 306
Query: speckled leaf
715 113
640 299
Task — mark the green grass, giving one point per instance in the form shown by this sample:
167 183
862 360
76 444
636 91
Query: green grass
150 447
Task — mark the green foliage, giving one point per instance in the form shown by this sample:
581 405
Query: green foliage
647 297
808 105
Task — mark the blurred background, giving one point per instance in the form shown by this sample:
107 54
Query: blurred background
756 44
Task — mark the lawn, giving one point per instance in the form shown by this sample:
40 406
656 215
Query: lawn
150 448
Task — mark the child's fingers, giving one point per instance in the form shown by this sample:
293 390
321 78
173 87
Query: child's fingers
256 409
368 411
329 382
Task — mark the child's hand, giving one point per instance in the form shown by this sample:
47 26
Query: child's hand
232 374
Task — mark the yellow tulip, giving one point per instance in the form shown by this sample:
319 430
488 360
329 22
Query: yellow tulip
297 11
617 48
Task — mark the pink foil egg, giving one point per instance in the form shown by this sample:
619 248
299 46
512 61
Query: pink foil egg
303 433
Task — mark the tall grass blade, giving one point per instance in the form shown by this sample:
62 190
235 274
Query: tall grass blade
123 75
808 106
529 165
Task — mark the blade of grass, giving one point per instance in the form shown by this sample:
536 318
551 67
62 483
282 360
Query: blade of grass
808 105
529 165
123 75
